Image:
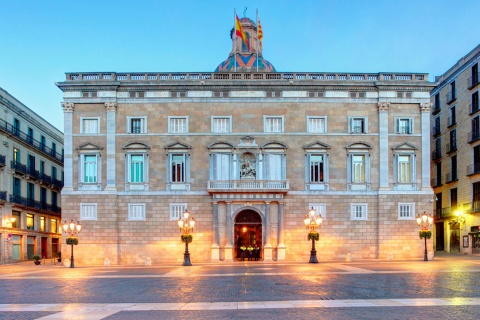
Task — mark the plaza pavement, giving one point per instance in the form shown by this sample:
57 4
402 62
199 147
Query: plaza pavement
445 288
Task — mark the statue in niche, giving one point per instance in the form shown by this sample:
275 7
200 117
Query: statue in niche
247 166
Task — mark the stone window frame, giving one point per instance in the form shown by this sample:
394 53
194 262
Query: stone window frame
85 215
174 128
411 213
82 129
136 212
364 211
176 210
143 120
309 128
214 127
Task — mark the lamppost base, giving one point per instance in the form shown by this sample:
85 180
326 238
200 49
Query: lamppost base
186 260
313 257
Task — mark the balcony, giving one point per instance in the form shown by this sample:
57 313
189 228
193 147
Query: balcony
473 136
436 182
35 205
451 177
476 206
248 186
473 107
473 168
473 80
451 96
436 108
452 147
436 154
18 167
452 120
22 136
436 130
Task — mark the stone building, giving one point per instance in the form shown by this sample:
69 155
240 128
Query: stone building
456 156
31 177
248 150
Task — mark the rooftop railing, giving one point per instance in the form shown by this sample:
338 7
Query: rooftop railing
199 76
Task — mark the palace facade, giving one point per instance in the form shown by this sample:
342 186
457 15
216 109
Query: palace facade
248 150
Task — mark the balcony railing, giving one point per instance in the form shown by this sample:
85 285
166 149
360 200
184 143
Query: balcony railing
8 128
3 195
473 136
436 108
436 182
452 147
36 205
18 167
473 80
436 130
248 185
452 95
452 120
473 168
450 177
436 154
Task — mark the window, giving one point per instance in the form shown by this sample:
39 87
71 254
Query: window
16 223
474 78
42 224
404 125
137 94
17 187
136 211
90 173
453 199
176 210
54 199
221 166
30 192
404 94
54 149
30 221
30 135
89 125
136 168
54 172
43 197
221 124
405 168
406 211
451 95
436 107
16 127
358 211
453 141
89 94
317 124
474 107
356 94
53 225
137 125
88 211
42 143
177 124
178 166
453 168
357 125
42 167
475 134
316 168
16 155
272 124
320 208
452 116
358 166
476 196
274 166
438 176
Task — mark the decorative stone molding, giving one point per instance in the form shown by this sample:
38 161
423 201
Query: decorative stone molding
68 106
111 106
425 107
383 106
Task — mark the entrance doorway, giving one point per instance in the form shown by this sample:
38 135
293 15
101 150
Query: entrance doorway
455 238
248 235
439 237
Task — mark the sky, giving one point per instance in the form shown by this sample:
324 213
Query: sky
41 40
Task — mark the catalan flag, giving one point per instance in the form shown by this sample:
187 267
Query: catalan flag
239 31
260 36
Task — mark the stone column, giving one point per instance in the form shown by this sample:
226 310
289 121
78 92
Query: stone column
111 130
229 245
68 108
267 249
281 246
215 248
425 109
383 143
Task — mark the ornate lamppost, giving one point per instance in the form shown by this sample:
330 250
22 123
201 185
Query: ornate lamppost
186 224
312 223
72 229
425 221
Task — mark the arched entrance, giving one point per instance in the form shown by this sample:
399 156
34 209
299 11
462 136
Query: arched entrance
248 233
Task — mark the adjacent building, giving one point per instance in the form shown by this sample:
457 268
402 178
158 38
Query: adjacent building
456 156
31 178
248 150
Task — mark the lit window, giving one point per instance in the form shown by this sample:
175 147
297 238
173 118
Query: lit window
316 168
54 226
176 210
177 124
136 211
358 211
88 211
30 222
42 223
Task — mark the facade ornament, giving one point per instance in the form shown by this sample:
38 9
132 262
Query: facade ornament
111 106
247 166
425 107
383 106
68 106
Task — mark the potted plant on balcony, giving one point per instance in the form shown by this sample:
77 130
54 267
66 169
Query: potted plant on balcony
36 259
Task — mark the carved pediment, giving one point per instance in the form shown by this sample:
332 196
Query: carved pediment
178 145
405 146
221 145
89 147
247 142
136 146
359 145
274 145
317 145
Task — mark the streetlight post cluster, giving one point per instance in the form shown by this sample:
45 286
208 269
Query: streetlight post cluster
186 224
72 229
424 222
312 223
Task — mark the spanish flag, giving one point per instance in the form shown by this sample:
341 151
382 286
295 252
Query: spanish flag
260 35
239 32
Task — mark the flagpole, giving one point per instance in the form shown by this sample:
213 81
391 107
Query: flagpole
258 40
235 40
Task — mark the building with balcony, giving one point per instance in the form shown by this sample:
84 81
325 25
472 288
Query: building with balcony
248 151
31 178
456 132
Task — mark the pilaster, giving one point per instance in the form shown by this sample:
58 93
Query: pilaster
68 109
383 143
281 249
215 248
111 108
267 249
425 109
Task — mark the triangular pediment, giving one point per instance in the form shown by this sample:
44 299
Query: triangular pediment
317 145
89 147
178 145
405 146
